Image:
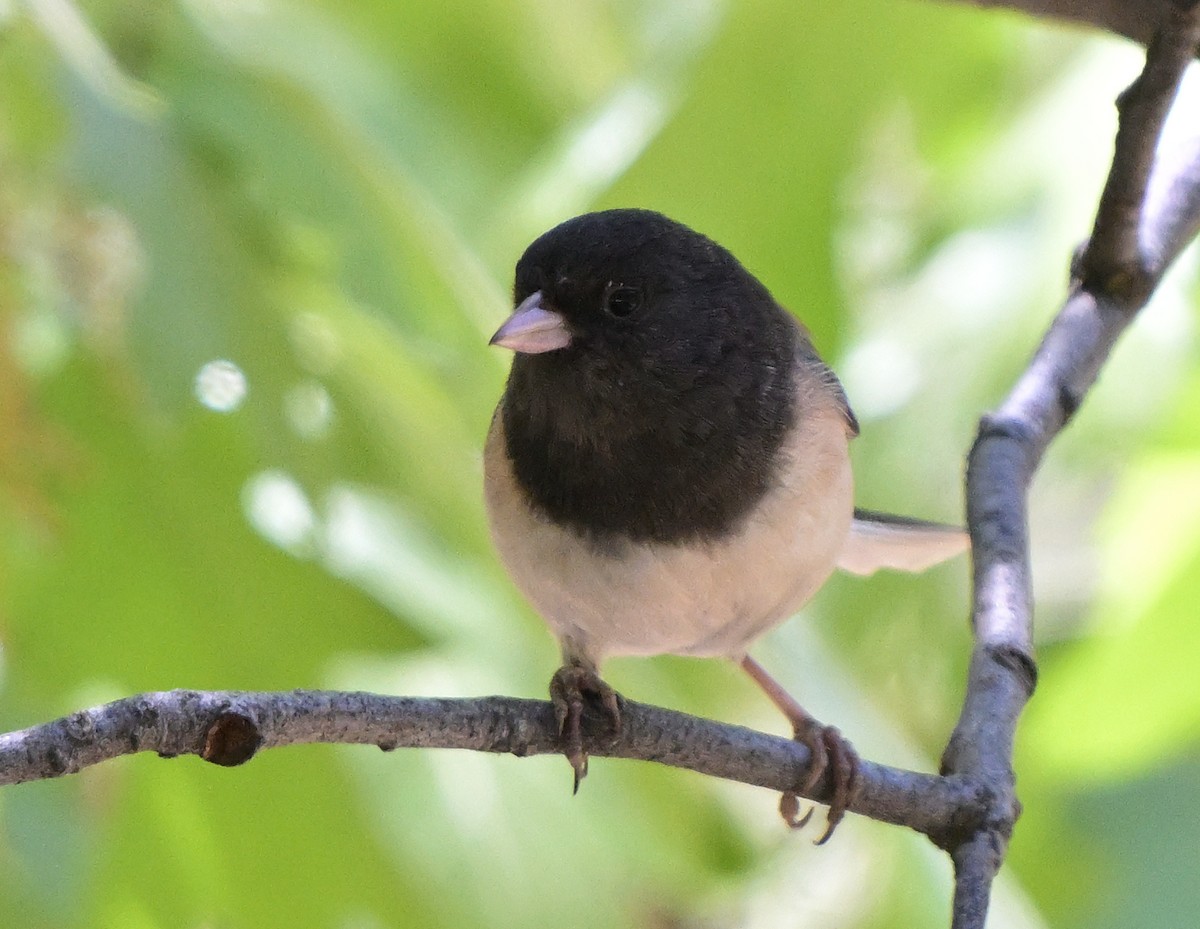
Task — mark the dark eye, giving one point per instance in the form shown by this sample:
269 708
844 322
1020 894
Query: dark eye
622 301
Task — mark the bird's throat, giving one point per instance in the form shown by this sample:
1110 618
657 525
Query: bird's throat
667 463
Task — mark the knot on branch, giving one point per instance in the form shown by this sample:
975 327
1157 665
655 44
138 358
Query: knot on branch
79 728
1126 284
231 740
991 815
1018 662
1002 426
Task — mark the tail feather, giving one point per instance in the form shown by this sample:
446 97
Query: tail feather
881 540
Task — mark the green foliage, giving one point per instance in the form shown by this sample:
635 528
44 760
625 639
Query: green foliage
331 196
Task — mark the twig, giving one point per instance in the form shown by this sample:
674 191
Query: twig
1134 19
229 727
1115 261
976 861
1135 238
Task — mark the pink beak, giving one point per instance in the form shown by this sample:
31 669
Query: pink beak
532 328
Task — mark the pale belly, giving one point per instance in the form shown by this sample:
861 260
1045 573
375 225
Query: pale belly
708 600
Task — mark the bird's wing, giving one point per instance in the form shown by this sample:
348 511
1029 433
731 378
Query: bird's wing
880 540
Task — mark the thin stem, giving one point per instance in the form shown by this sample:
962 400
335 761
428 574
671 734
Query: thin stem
1149 210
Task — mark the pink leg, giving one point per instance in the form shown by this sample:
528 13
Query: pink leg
828 749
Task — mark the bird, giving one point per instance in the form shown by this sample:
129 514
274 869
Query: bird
668 472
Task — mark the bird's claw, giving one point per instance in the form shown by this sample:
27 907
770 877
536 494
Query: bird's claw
570 688
829 750
789 809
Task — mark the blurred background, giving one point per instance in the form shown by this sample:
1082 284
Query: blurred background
250 255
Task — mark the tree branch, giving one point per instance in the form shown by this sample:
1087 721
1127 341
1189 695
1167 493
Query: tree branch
229 727
1116 261
1135 19
1147 213
976 862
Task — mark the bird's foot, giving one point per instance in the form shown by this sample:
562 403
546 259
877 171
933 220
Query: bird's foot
830 753
572 686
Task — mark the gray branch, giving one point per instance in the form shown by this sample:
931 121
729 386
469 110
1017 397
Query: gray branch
229 727
1147 214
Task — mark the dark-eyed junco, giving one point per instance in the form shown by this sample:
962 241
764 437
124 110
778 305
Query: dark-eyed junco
668 471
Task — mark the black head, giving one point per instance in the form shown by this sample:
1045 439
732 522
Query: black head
635 283
657 390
